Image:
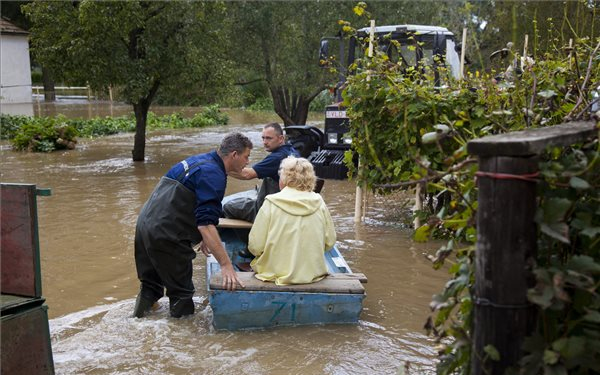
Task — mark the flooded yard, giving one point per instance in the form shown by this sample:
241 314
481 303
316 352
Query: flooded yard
89 280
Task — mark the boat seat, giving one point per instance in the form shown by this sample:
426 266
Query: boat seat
234 223
342 283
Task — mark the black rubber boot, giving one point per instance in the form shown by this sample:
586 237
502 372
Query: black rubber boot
142 305
181 306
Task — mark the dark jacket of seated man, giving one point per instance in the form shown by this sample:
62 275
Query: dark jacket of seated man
246 208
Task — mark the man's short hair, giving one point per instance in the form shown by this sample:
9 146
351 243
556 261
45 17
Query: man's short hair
275 126
234 142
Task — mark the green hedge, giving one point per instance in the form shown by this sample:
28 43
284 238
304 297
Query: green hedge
46 134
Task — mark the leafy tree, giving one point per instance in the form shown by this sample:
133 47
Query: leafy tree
11 10
137 46
281 40
493 24
278 42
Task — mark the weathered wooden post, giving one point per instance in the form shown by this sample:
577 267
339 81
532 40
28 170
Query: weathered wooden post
506 238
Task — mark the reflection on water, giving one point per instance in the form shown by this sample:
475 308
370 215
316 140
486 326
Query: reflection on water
89 278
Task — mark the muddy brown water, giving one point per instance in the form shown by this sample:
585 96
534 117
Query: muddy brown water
86 232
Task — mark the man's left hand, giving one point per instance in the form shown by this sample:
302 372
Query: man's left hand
204 249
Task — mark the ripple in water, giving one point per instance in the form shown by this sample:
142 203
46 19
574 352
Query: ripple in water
106 339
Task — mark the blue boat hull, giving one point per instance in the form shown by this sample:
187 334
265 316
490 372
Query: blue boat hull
338 303
254 309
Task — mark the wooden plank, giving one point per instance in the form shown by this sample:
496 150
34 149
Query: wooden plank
234 223
330 284
532 141
350 276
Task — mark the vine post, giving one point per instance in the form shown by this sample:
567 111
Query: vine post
359 204
506 240
506 249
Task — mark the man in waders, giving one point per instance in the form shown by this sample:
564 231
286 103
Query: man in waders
246 208
183 210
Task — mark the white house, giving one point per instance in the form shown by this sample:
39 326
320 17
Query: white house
15 74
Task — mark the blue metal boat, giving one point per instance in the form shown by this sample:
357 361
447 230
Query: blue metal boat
334 300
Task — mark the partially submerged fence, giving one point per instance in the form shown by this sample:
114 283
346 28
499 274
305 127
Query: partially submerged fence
506 237
73 92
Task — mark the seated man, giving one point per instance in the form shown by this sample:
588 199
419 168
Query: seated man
293 229
245 207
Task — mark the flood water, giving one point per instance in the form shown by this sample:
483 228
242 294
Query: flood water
86 230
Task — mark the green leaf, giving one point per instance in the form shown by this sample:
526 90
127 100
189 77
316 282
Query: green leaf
492 352
558 231
578 183
592 316
574 347
555 209
584 264
543 299
555 370
591 232
422 233
547 94
551 357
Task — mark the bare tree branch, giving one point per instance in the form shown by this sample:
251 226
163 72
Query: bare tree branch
437 176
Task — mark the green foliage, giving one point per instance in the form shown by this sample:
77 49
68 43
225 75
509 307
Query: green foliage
213 116
137 47
279 46
45 134
97 127
321 101
36 77
567 336
261 104
409 130
42 134
209 116
10 124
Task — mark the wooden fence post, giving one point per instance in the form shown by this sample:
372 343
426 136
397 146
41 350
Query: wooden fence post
506 238
506 249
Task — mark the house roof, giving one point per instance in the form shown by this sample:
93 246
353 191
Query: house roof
6 27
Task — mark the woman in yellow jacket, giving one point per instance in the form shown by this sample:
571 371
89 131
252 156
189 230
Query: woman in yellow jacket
293 229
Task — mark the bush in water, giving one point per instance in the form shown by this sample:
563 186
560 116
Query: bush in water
45 134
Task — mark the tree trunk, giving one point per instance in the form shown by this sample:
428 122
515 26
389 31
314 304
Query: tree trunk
291 108
49 91
139 144
141 116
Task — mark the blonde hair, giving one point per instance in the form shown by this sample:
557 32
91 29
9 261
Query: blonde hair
297 173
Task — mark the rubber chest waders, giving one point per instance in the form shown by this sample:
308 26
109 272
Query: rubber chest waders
165 232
